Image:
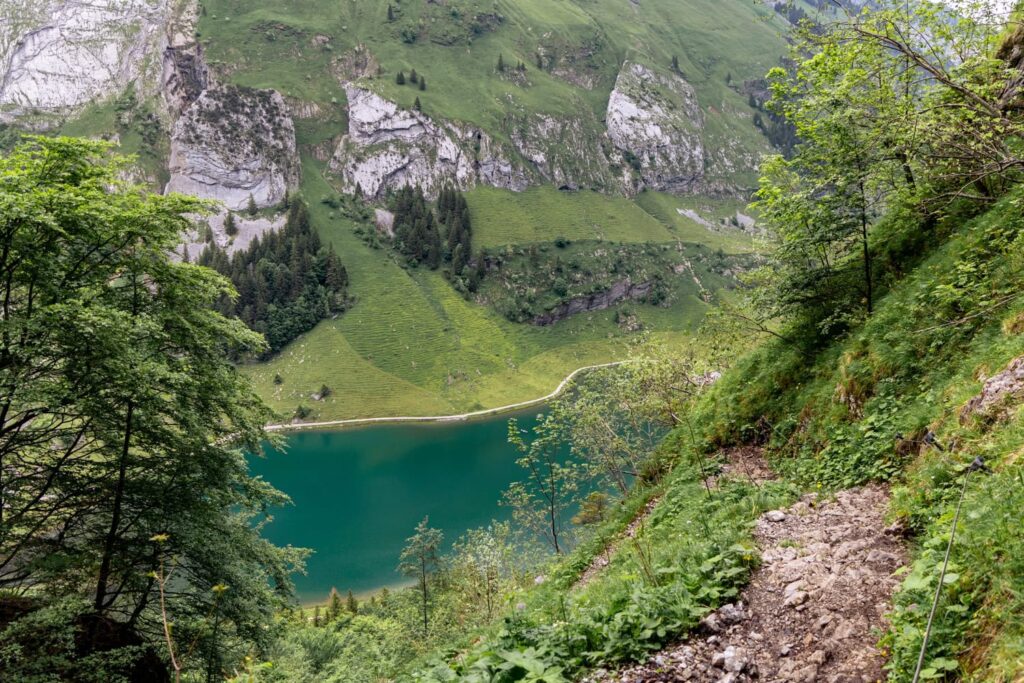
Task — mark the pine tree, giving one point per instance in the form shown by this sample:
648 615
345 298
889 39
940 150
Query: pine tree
251 207
675 63
391 13
334 607
351 603
414 77
417 105
359 190
400 78
230 225
501 63
317 621
423 83
184 254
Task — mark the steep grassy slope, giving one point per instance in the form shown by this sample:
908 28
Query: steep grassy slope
291 47
871 406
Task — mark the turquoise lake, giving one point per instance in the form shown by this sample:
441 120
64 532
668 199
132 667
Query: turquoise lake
359 493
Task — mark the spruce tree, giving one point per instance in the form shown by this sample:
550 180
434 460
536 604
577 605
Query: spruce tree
675 63
417 105
351 603
501 63
334 607
391 13
540 61
423 83
400 78
251 207
414 77
230 225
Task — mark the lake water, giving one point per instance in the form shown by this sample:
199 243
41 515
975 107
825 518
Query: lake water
359 493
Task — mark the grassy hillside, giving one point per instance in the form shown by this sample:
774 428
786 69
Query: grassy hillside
412 346
456 45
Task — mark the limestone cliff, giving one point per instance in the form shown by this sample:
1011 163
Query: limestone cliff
56 56
656 122
233 143
388 147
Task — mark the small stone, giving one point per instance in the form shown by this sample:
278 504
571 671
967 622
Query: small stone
785 650
796 599
775 516
808 674
818 657
736 659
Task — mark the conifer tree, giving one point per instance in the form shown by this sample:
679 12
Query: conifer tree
675 63
417 105
423 83
351 604
251 207
334 606
540 61
400 78
420 560
391 13
414 77
230 225
501 63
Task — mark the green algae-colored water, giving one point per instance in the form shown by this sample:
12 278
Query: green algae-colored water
359 493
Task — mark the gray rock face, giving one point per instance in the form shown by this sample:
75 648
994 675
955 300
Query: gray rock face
388 147
56 56
998 395
620 291
565 151
656 122
232 143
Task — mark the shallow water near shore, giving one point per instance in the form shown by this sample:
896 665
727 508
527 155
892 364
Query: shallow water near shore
359 493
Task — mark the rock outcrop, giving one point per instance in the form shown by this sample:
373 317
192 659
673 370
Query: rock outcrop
1000 394
56 56
565 151
656 122
234 143
620 291
388 147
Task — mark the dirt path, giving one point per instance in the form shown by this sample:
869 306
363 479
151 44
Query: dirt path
813 610
291 426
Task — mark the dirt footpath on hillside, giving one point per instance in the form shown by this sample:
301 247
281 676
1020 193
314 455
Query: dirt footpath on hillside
813 610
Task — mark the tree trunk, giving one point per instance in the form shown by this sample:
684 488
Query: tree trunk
115 518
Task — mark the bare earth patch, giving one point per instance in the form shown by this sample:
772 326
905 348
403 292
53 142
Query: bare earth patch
813 610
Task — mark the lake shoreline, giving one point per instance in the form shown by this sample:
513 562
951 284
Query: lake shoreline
429 419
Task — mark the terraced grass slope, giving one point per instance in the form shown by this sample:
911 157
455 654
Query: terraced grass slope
412 346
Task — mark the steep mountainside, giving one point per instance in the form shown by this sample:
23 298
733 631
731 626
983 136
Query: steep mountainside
642 114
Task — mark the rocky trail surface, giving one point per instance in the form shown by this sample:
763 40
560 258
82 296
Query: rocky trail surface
813 610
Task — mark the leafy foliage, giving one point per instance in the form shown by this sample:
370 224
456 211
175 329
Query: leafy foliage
122 424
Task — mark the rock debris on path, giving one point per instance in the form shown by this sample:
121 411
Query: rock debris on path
813 610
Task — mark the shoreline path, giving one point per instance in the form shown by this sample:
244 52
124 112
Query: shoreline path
353 422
